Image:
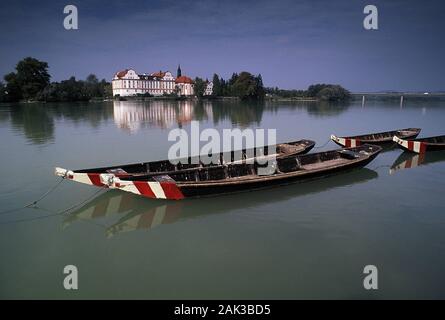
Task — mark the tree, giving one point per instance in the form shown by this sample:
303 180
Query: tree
2 92
233 79
217 89
328 92
260 92
92 86
107 90
92 78
333 93
200 86
13 90
32 76
246 86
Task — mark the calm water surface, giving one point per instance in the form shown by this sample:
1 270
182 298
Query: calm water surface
307 240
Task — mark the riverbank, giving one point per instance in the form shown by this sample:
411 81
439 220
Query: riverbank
292 99
397 95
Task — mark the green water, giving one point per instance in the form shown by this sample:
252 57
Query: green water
307 240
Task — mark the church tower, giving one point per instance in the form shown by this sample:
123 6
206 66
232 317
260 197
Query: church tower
178 73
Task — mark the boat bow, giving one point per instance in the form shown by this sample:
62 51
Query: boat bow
410 145
93 179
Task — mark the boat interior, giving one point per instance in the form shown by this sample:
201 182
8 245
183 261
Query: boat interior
280 166
279 150
383 136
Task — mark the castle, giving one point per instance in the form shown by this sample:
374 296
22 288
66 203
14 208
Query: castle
128 83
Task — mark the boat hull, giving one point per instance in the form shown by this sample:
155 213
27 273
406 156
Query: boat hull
98 176
210 190
419 145
381 138
290 170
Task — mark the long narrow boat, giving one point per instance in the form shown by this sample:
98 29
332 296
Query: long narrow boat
237 177
93 176
421 145
375 138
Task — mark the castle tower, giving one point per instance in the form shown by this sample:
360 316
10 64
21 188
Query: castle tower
178 73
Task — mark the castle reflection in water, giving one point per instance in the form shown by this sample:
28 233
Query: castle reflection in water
131 116
37 121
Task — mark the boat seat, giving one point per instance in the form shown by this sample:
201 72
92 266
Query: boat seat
289 148
289 164
348 154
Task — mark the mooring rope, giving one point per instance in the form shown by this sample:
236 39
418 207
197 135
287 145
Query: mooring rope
52 213
324 145
34 203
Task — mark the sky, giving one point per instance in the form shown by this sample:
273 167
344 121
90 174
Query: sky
291 43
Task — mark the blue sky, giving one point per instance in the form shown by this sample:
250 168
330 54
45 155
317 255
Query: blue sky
291 43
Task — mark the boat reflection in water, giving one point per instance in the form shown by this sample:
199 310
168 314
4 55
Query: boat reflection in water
138 213
408 160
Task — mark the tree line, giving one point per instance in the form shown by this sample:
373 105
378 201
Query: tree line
31 81
321 91
243 85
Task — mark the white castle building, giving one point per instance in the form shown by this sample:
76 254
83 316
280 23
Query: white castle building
209 88
128 83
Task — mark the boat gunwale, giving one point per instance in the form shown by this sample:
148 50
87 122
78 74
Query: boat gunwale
425 140
284 175
362 138
308 146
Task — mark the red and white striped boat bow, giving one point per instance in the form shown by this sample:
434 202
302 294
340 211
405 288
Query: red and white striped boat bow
414 146
162 188
346 142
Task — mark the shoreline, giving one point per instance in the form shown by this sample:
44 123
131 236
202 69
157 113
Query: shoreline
354 97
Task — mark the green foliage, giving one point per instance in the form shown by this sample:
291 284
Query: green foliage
31 81
328 92
200 87
217 89
76 90
2 92
286 93
30 78
321 91
13 89
107 89
244 85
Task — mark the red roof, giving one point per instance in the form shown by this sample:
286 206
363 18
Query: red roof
122 73
159 74
183 79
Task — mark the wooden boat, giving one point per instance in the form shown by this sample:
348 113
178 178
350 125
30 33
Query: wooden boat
93 176
376 138
421 145
237 177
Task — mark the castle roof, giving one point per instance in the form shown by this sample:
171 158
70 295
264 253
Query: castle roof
183 79
122 73
158 74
